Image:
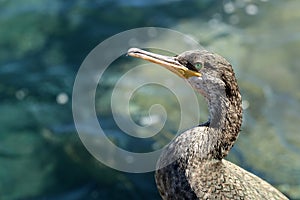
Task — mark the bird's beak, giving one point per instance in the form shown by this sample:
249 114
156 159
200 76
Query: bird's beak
168 62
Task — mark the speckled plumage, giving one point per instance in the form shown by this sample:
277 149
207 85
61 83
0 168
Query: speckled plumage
199 170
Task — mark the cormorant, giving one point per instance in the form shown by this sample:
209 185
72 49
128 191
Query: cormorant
199 170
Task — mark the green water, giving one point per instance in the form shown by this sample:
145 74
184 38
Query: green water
42 45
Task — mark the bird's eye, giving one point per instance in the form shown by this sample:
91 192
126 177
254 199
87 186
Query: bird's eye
198 66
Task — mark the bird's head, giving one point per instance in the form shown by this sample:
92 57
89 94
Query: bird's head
204 70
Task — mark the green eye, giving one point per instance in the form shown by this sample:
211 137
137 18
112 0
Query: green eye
198 66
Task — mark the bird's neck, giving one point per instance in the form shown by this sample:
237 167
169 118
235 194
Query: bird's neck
225 119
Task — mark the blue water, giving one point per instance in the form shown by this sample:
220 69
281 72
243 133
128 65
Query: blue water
43 43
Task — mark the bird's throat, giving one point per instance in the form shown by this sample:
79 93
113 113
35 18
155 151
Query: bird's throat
225 120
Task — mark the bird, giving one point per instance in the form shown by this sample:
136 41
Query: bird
193 165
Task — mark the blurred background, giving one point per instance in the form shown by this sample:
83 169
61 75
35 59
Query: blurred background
43 43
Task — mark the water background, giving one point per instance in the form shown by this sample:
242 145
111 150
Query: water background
43 43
